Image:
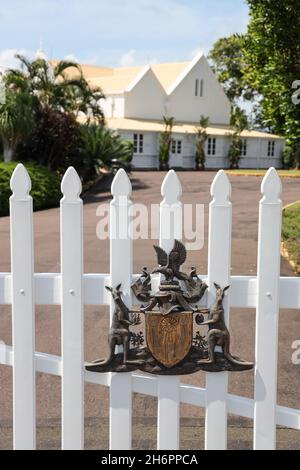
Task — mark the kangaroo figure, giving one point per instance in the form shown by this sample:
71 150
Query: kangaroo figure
218 334
119 330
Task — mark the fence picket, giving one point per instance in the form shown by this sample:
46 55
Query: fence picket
219 261
121 272
23 312
268 277
71 226
72 289
168 427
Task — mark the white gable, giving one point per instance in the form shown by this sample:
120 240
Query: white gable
146 99
184 105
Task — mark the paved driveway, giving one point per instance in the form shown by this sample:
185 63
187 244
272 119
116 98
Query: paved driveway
245 197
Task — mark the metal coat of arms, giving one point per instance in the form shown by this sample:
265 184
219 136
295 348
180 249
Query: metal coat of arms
171 314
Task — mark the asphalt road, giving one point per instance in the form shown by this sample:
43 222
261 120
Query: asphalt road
146 190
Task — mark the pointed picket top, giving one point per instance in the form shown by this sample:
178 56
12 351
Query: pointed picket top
20 182
221 188
121 185
271 187
71 186
171 189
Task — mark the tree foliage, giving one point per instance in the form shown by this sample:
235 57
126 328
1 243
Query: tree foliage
228 62
238 122
272 52
201 137
100 148
165 143
16 118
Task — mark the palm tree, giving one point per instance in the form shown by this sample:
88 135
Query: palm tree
239 122
201 137
165 143
16 119
39 90
53 87
101 148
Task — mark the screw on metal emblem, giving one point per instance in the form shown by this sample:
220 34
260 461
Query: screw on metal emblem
170 314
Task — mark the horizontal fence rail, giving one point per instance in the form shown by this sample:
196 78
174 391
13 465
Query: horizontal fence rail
71 289
243 290
145 385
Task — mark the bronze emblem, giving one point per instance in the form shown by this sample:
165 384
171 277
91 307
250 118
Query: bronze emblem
171 313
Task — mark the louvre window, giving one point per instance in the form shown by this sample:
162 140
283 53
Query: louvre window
138 143
271 148
199 87
211 146
176 147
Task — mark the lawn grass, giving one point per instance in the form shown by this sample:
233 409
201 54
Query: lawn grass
253 172
45 186
291 234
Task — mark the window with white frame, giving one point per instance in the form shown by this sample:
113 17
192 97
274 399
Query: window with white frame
138 143
244 147
271 148
176 147
211 146
199 84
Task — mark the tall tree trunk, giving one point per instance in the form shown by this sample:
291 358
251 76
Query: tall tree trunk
8 151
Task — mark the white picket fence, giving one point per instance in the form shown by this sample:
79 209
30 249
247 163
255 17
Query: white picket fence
72 289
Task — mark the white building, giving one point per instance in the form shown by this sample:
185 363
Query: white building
137 98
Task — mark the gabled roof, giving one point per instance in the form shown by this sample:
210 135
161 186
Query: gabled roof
120 79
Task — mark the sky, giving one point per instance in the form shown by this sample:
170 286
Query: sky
116 32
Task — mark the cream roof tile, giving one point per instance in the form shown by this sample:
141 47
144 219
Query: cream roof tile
189 128
167 73
116 80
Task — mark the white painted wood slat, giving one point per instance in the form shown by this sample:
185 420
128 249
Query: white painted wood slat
71 239
267 312
219 262
168 426
121 272
23 314
243 291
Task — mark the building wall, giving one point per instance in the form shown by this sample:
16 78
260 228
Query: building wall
185 106
146 100
149 158
257 152
113 106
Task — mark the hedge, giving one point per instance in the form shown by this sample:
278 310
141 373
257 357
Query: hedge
45 190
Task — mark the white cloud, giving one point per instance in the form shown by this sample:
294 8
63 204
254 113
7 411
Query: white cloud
128 59
7 58
71 58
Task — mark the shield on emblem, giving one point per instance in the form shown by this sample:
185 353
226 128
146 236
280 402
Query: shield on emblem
169 337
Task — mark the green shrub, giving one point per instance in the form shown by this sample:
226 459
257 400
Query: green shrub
45 190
